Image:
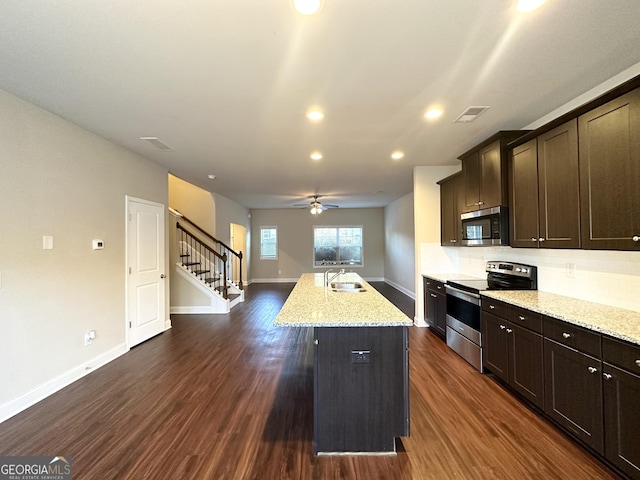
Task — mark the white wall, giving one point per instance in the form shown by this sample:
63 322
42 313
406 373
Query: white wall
295 241
399 235
60 180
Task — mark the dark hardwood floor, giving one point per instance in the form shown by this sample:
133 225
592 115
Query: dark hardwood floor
230 397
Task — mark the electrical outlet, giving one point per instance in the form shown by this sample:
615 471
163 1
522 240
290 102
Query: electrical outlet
89 337
570 270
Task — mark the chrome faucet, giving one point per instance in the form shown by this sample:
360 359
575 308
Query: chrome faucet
327 280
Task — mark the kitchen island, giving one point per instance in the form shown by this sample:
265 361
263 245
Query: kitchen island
361 364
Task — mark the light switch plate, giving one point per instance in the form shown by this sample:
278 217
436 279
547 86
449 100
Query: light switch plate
47 242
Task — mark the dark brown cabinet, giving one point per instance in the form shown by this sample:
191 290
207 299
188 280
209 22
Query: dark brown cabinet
451 197
484 172
512 348
621 384
573 381
361 388
435 306
609 137
544 186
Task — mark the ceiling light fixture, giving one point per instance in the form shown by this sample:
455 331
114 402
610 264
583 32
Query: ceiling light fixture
316 208
316 156
433 113
529 5
397 155
307 7
315 115
211 177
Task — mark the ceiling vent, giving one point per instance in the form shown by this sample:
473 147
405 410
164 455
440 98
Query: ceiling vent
470 114
159 144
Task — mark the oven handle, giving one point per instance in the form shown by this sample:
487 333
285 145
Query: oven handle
463 295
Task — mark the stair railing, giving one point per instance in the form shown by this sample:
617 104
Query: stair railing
233 268
203 261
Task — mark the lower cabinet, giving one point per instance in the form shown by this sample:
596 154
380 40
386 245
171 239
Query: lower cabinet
621 385
435 306
514 354
573 384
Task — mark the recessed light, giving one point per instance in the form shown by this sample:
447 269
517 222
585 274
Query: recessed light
307 7
397 155
315 115
433 113
316 156
529 5
211 177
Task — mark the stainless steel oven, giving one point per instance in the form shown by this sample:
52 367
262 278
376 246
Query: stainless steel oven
464 302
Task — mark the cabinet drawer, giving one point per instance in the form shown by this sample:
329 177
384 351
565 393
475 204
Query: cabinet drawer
622 354
495 307
432 284
573 336
526 318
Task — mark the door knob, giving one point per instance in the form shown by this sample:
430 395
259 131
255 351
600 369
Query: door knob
162 275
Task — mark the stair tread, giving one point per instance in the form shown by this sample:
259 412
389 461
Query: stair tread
185 255
200 272
211 279
190 264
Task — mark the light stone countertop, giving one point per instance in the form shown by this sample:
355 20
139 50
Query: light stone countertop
615 322
310 304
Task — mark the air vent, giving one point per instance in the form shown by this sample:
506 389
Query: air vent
159 144
470 114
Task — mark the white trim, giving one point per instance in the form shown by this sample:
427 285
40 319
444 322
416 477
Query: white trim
404 290
51 386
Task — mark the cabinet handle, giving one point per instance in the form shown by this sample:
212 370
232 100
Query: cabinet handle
592 369
541 239
502 327
492 307
534 239
638 363
566 335
521 318
606 376
480 203
439 287
509 330
635 238
433 295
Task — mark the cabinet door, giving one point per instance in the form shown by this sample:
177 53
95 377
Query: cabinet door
451 225
609 139
558 182
495 345
523 184
573 393
622 419
441 314
430 307
491 187
526 363
471 174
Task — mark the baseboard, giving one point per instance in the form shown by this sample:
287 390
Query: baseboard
17 405
198 310
404 290
275 280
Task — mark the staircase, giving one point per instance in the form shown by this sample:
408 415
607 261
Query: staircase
208 266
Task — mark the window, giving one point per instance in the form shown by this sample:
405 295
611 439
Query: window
268 243
337 246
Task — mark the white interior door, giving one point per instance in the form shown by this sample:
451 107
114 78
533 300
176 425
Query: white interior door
145 270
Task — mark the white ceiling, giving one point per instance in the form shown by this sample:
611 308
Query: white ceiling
227 83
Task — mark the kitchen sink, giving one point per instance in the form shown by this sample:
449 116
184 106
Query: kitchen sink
351 287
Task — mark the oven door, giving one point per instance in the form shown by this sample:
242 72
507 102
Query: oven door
463 325
464 307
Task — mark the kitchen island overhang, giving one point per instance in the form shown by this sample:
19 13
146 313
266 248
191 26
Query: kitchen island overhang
361 365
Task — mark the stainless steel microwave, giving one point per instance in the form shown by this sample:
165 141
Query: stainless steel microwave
486 227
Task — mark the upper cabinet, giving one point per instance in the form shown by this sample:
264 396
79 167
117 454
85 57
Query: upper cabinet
575 182
610 174
544 186
451 205
484 172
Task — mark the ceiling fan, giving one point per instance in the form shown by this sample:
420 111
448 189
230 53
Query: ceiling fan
316 206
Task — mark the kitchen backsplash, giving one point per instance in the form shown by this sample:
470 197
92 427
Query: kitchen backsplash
603 276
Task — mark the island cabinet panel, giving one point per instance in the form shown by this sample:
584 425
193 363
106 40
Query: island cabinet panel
361 399
621 374
609 141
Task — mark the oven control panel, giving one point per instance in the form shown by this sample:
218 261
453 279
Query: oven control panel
516 269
